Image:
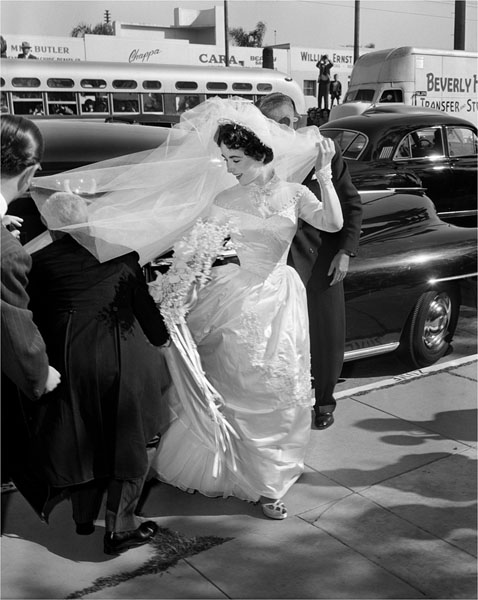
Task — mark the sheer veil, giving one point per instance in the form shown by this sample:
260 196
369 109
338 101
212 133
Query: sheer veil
146 201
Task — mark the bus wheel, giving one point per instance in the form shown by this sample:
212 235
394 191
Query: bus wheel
430 327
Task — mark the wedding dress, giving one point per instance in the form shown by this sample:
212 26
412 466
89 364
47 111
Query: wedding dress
250 325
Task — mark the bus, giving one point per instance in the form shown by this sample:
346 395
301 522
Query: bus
445 80
152 94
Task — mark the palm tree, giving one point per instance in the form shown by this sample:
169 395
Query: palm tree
100 29
252 39
81 30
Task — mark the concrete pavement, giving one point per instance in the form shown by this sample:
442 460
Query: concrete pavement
385 509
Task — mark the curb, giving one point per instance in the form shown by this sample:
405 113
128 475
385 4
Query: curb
405 377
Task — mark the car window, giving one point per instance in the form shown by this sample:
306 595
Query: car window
422 143
351 143
391 96
364 95
461 141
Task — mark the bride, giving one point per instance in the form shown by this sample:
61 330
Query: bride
249 321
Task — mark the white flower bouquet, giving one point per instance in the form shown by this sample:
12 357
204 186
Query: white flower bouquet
176 292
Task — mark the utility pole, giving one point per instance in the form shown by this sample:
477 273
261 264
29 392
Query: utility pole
357 31
107 16
226 35
460 16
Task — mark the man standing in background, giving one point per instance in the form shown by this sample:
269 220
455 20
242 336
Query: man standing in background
335 91
324 65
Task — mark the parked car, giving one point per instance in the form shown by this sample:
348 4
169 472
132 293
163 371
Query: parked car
397 146
404 289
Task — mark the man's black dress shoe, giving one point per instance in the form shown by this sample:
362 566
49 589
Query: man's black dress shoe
85 528
324 420
114 543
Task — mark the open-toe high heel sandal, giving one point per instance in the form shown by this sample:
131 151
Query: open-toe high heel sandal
274 510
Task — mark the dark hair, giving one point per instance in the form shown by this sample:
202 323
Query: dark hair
272 101
238 137
22 145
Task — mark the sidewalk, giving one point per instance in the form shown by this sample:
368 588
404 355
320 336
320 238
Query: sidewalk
385 509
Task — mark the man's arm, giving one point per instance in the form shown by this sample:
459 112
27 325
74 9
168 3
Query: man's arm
351 204
24 358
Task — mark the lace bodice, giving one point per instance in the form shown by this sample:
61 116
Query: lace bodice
265 220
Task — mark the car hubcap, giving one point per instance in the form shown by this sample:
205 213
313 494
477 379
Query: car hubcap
437 321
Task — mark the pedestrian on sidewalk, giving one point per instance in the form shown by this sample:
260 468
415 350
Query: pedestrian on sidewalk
322 261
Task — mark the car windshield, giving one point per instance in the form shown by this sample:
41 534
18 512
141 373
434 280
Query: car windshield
351 143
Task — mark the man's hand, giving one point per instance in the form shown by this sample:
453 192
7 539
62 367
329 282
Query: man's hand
339 267
52 380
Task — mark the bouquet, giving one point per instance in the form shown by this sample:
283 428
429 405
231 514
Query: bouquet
175 292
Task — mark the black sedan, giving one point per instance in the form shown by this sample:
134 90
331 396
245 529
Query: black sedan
403 290
405 147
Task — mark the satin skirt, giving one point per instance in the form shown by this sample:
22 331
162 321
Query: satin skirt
252 336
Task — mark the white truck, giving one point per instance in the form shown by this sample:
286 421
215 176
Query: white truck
445 80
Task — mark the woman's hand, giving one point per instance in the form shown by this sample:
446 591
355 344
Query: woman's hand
326 148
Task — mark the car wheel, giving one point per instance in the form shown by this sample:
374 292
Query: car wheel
430 327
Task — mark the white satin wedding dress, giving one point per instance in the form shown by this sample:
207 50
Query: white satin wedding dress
250 325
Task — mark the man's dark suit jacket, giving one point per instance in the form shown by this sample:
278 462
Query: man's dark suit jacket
311 263
24 358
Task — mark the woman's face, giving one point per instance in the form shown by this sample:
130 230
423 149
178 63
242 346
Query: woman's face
244 168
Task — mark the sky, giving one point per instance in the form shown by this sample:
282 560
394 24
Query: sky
303 23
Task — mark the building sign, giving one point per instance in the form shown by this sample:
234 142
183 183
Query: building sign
47 48
181 52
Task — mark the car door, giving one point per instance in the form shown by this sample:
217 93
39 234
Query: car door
423 151
462 145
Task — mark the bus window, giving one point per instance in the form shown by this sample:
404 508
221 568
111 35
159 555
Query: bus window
60 83
264 87
186 85
61 103
4 103
124 84
92 102
391 96
93 83
25 82
216 86
153 103
152 85
125 102
242 87
25 103
186 102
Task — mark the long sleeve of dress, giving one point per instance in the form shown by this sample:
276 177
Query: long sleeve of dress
326 215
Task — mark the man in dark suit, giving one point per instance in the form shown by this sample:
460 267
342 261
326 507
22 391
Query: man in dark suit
94 434
322 261
26 374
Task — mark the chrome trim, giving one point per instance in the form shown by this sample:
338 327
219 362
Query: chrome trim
458 213
452 278
373 351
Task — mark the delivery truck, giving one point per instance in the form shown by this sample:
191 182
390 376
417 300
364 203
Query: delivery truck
445 80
